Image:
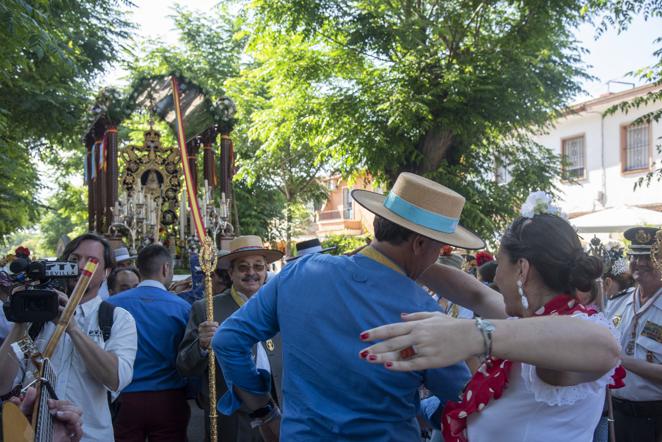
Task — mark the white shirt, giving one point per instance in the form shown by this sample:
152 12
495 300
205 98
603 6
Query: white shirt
74 382
615 307
648 340
103 290
5 326
531 410
261 358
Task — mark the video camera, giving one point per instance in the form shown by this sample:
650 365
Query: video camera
38 302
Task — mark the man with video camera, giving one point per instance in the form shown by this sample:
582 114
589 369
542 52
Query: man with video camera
87 366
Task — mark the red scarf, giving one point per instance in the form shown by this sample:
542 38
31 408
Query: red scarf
491 379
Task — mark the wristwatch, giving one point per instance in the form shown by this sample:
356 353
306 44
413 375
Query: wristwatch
263 411
264 415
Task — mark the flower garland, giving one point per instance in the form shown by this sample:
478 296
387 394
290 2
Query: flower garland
491 379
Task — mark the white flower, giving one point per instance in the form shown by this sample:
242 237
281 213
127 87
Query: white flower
538 203
620 266
527 210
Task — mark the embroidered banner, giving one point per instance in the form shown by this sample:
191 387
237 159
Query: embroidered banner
181 140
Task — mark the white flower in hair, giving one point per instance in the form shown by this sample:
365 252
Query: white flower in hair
538 203
620 266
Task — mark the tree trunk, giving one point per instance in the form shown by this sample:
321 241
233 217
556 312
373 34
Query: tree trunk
288 227
434 147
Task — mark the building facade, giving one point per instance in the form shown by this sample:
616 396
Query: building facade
340 215
606 155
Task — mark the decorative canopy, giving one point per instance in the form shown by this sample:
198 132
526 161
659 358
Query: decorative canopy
155 93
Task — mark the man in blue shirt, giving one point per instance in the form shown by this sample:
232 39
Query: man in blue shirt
153 405
321 303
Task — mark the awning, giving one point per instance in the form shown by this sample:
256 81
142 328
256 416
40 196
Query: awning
616 219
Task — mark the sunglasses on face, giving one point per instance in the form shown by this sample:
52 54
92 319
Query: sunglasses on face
245 268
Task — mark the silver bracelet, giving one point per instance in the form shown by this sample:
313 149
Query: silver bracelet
486 328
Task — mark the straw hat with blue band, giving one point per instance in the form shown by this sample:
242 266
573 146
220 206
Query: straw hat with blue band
424 207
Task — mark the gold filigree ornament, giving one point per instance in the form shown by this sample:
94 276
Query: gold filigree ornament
208 256
656 251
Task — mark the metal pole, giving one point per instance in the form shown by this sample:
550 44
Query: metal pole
610 417
208 261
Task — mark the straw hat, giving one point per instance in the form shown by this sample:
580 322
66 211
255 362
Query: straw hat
248 245
424 207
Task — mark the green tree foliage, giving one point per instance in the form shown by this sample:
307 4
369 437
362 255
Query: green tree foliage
284 143
445 89
344 243
65 214
50 55
258 206
18 187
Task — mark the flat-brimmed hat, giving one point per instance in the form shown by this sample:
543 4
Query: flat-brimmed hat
309 247
248 245
122 254
641 239
424 207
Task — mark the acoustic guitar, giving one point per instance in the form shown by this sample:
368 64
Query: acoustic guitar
16 427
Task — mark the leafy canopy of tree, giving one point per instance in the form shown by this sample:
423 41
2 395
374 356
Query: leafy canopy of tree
283 142
50 54
443 89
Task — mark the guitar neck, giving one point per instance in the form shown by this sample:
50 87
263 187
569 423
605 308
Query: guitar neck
42 421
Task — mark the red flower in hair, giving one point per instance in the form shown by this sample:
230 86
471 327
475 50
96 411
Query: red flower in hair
483 257
446 250
22 251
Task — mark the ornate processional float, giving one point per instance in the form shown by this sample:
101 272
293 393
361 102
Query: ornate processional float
139 192
142 194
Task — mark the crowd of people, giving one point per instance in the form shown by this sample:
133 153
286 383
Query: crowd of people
412 337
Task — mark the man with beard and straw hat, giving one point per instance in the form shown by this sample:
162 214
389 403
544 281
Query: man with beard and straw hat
247 266
320 304
638 405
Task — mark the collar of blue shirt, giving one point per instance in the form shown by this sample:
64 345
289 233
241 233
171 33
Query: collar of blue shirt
152 283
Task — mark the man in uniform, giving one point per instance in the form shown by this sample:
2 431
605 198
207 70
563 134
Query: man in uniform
638 406
247 265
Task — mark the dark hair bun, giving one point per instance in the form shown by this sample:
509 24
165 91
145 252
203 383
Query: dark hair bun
584 271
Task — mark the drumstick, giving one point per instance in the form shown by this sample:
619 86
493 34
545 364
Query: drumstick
70 308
